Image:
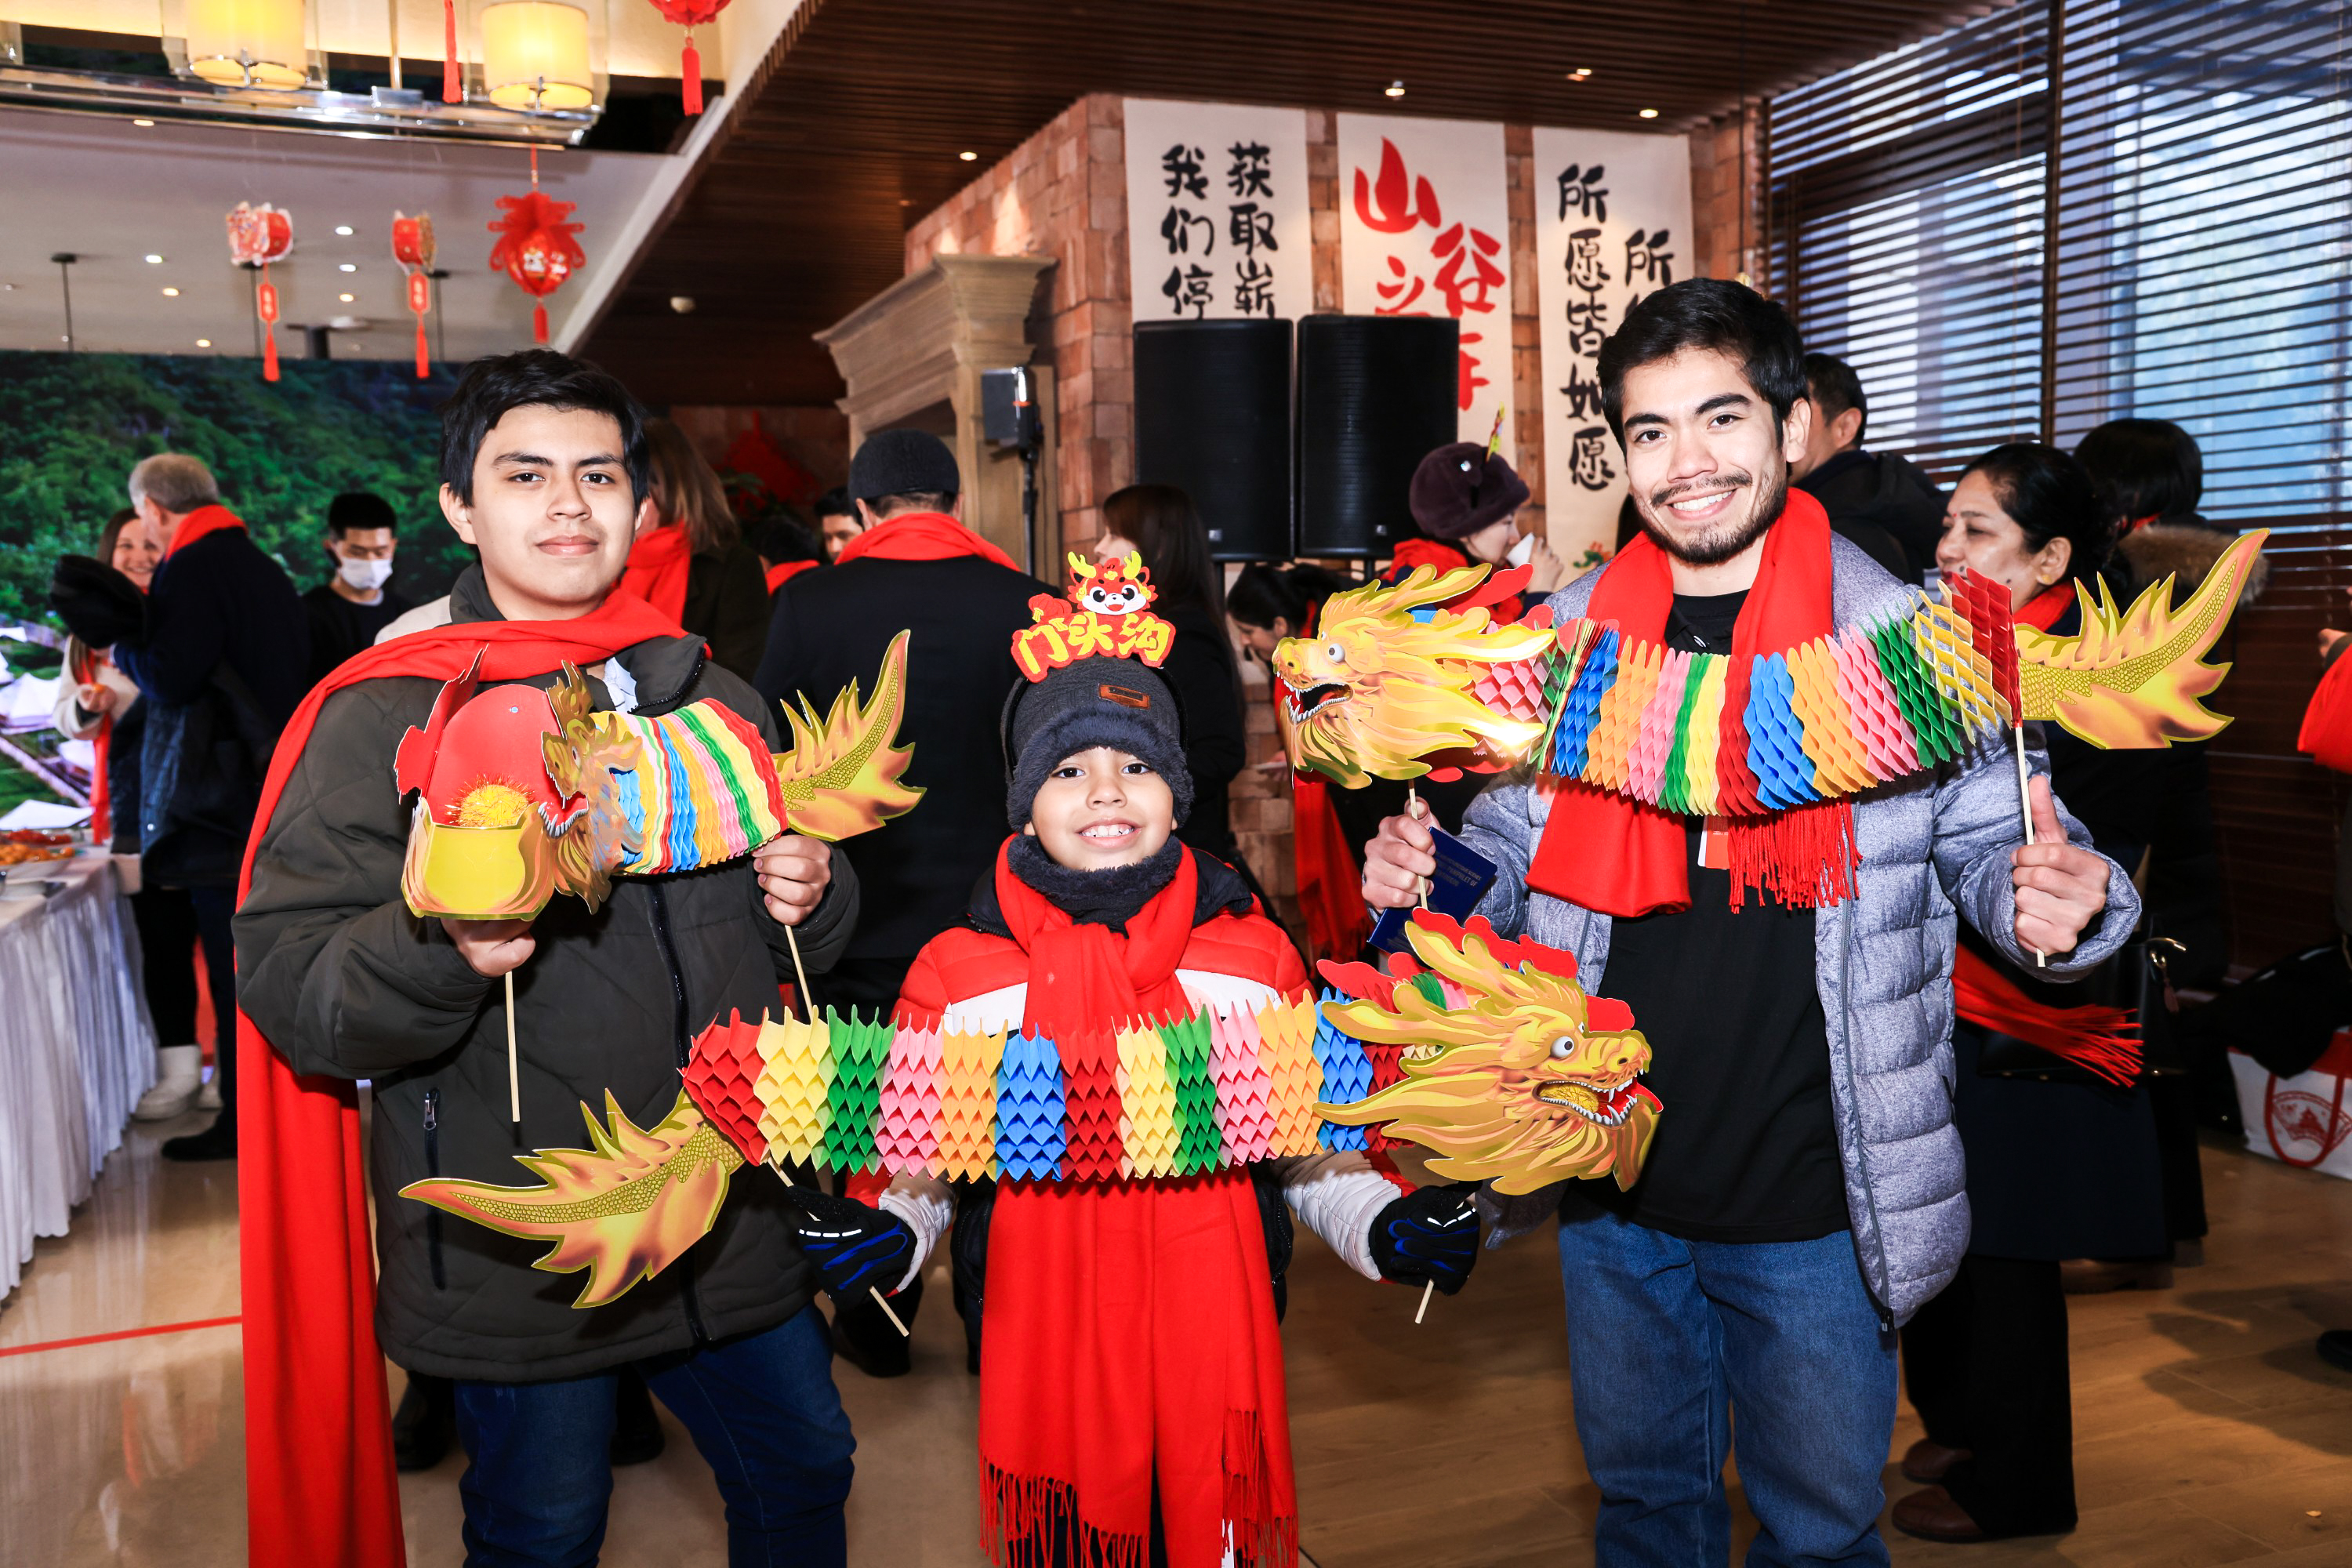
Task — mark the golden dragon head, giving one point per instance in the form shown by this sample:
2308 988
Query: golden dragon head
1384 684
1518 1077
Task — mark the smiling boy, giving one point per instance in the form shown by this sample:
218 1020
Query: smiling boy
1794 974
543 472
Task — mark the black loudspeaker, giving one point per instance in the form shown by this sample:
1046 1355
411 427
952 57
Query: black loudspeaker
1213 418
1376 395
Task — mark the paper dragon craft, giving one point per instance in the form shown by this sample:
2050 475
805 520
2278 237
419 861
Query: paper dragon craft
1105 613
522 793
1418 677
1493 1058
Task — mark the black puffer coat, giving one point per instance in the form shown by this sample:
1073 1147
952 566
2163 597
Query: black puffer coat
344 981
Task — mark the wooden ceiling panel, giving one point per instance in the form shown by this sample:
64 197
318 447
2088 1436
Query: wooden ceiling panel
799 216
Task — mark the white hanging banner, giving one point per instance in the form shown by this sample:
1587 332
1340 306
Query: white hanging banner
1217 223
1425 230
1612 224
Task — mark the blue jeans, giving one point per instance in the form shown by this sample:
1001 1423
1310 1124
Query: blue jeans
1666 1338
762 1408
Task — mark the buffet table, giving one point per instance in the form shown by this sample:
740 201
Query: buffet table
75 1048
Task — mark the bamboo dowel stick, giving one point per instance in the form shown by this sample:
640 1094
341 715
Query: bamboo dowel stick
889 1313
514 1073
2025 810
1426 1287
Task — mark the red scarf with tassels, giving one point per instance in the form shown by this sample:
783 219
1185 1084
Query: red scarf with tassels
921 536
659 563
1601 851
319 1478
784 572
1127 1330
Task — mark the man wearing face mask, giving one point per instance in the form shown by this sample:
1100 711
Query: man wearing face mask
350 607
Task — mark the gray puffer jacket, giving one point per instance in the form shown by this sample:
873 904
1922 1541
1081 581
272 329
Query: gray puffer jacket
1932 849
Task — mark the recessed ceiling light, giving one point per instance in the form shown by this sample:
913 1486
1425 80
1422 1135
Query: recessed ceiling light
1393 89
344 229
1581 73
153 260
171 293
354 266
346 298
142 122
905 201
203 343
1649 114
968 157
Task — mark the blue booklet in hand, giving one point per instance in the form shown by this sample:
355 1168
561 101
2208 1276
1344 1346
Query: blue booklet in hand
1462 879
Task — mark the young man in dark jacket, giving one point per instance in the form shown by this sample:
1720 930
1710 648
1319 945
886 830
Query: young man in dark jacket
543 471
1881 501
915 567
222 662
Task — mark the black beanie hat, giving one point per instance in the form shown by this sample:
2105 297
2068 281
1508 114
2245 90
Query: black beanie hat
902 463
1116 702
1459 489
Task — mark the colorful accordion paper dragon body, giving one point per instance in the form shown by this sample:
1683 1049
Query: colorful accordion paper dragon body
1416 679
523 794
1492 1057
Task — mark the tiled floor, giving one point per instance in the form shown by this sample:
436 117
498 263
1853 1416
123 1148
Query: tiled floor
2207 1431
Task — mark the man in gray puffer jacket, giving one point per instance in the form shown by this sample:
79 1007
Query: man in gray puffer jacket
1803 1192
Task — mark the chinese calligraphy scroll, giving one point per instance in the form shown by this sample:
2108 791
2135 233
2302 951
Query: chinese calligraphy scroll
1424 230
1612 224
1217 224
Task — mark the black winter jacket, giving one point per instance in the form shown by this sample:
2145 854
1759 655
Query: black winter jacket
833 626
222 664
1881 491
345 982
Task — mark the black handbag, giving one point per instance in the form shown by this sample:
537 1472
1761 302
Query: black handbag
2136 977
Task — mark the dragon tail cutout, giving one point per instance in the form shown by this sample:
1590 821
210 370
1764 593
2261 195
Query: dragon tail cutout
844 775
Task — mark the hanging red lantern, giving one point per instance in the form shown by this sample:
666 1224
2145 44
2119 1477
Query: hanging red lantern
411 246
258 237
690 15
535 248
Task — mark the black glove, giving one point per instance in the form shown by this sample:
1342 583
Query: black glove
97 604
1428 1233
853 1246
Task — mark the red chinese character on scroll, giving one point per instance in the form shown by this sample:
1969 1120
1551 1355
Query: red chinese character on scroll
1396 202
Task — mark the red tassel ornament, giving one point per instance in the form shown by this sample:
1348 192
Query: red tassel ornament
536 249
690 15
413 248
258 237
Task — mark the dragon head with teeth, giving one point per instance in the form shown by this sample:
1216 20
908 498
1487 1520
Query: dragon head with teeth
1384 684
1512 1074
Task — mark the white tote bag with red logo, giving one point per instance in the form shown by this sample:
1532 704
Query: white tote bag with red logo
2302 1120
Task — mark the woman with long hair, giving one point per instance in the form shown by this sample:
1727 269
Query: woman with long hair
1266 605
693 563
2056 1169
1157 523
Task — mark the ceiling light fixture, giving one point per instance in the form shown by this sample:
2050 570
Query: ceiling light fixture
343 229
540 55
346 298
268 46
153 260
203 343
1581 73
968 157
171 293
1393 89
354 266
148 123
1649 114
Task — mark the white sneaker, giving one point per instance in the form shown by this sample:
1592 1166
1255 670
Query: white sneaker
180 1077
208 1097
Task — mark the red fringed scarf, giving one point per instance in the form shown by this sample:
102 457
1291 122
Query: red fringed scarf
1603 852
2104 1041
318 1477
659 563
921 536
1330 888
1129 1327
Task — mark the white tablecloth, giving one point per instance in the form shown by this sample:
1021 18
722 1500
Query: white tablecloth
76 1049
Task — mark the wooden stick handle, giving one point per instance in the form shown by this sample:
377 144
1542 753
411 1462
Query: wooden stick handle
514 1073
808 1003
2025 810
889 1313
1414 809
1426 1287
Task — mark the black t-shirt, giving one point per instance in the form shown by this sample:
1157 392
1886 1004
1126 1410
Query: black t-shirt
1746 1147
340 628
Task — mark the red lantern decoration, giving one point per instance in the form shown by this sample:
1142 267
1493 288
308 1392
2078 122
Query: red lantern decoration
690 15
535 248
258 237
411 246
